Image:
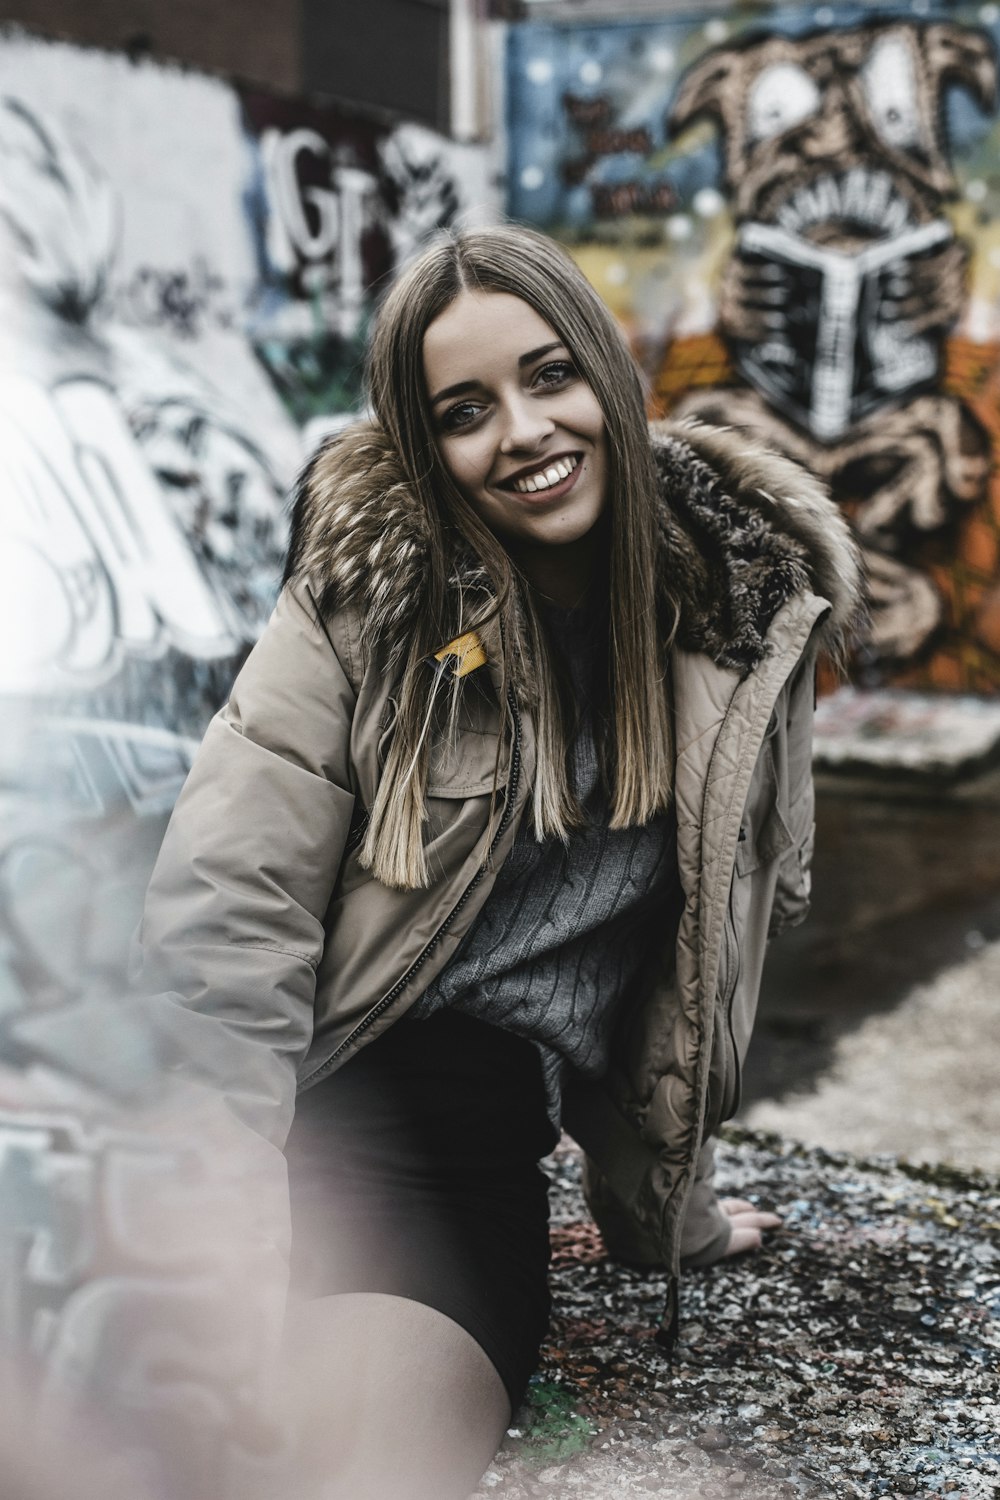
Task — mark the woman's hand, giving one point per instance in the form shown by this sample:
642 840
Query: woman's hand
747 1222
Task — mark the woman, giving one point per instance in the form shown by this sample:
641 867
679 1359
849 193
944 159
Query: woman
502 810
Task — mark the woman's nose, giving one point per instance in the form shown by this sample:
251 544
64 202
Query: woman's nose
525 427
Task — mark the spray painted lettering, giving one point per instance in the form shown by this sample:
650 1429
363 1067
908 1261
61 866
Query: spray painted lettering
185 301
322 210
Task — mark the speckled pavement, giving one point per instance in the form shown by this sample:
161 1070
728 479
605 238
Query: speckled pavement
856 1356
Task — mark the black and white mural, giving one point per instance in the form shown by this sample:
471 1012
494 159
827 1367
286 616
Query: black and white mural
187 274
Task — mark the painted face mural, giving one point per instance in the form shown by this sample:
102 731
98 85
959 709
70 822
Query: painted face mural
847 276
794 215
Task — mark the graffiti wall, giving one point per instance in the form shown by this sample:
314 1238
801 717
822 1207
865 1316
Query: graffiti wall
796 215
187 273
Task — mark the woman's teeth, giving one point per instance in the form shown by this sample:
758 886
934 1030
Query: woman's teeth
546 478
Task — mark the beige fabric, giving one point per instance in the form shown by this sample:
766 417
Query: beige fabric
260 916
745 821
282 956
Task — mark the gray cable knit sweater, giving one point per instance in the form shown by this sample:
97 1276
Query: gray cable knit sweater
567 927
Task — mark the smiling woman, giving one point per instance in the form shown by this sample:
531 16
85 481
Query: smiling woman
522 435
501 813
493 360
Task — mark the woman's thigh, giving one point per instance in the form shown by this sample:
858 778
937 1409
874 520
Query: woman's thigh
414 1174
391 1399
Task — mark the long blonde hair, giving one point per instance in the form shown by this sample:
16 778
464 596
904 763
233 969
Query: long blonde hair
638 754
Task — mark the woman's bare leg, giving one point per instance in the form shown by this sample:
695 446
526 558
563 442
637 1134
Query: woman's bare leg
391 1400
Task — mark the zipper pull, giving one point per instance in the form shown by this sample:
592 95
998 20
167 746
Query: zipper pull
667 1333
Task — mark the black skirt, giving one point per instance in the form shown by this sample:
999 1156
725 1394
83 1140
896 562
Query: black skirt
414 1171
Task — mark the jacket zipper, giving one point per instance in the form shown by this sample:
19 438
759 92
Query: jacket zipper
731 1105
421 958
668 1332
731 947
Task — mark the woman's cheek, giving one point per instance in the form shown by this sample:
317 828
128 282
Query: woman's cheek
456 462
470 474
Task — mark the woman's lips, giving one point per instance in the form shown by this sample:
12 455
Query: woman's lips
553 491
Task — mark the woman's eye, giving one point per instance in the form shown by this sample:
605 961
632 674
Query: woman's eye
459 416
557 372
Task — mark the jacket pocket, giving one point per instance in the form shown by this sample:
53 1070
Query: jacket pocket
764 834
468 770
753 853
467 767
770 842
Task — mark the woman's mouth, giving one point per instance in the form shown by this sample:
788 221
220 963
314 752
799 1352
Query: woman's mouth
550 480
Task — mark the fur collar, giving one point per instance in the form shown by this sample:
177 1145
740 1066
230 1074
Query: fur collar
742 530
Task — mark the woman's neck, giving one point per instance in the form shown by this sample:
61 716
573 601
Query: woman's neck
563 575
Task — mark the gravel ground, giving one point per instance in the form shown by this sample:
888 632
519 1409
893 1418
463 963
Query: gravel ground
919 1081
855 1356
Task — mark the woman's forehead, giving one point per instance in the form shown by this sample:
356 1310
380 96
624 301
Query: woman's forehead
481 330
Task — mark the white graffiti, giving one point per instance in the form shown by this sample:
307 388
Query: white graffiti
59 216
320 224
91 555
96 562
850 321
422 180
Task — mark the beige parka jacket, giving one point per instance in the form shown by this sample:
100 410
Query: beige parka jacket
261 918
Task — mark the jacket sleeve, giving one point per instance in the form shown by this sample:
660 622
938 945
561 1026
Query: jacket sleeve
792 891
232 930
704 1238
707 1227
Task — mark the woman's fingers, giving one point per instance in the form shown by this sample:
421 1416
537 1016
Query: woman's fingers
742 1240
738 1208
747 1222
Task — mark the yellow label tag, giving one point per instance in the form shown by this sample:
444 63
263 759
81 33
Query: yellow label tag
467 651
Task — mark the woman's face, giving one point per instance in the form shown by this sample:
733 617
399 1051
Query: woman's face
518 430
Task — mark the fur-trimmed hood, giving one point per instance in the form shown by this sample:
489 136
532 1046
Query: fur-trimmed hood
742 529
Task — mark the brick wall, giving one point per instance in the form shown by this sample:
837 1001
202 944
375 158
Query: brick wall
391 54
257 40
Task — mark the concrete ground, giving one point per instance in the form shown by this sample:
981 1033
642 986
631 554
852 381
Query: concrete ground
854 1358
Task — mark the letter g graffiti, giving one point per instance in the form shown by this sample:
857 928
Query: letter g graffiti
307 217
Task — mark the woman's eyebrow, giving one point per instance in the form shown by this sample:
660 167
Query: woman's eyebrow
455 390
533 354
471 385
